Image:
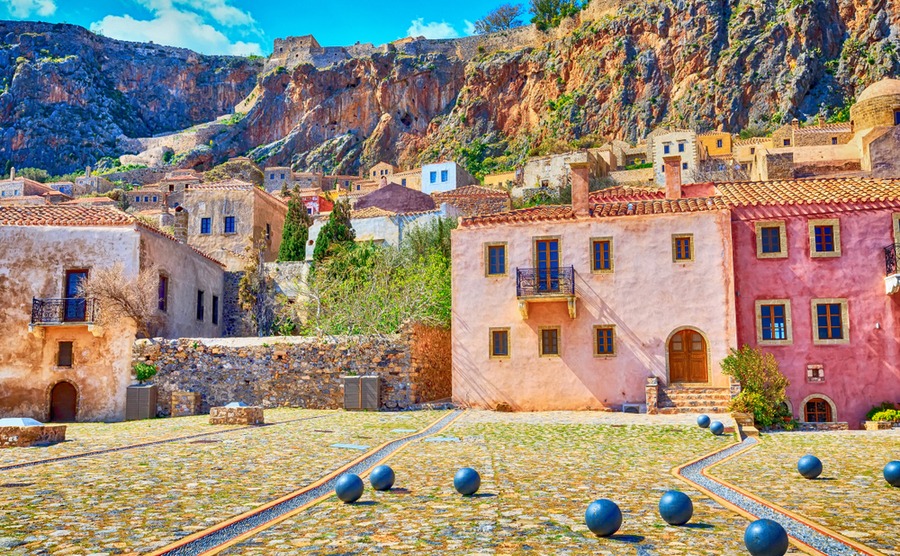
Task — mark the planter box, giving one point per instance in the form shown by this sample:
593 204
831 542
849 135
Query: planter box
878 425
140 402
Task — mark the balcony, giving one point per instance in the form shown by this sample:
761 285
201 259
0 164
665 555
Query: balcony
892 271
545 285
73 311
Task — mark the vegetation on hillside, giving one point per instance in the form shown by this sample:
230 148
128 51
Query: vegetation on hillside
336 233
501 18
296 231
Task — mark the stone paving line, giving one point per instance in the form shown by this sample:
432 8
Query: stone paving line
143 499
806 533
235 529
851 497
537 480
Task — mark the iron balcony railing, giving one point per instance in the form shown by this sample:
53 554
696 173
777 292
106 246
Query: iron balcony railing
537 282
891 254
73 310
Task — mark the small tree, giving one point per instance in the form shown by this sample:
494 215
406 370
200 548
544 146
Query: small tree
295 232
502 18
336 231
762 384
121 296
549 13
144 372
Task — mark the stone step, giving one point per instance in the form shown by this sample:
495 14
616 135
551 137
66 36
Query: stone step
693 403
695 397
677 410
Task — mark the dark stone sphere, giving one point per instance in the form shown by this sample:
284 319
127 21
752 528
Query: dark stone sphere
703 421
467 481
717 428
349 487
765 537
603 517
382 478
809 466
676 507
892 473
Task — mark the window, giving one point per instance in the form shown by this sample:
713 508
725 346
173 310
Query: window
549 341
432 177
604 340
309 211
684 165
155 199
229 224
752 150
64 354
146 198
896 117
163 293
718 143
215 309
268 232
199 305
205 225
403 182
282 176
834 140
444 175
817 410
824 238
499 343
773 322
666 148
830 321
495 254
681 147
601 254
771 240
787 142
682 247
271 176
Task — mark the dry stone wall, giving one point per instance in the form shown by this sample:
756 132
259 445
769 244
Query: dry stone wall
300 371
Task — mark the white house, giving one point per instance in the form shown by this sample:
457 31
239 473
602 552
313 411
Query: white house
676 143
444 176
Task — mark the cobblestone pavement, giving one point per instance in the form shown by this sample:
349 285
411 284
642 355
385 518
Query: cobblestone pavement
851 496
142 499
88 437
539 472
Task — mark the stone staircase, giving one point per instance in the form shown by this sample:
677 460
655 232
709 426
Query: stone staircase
678 399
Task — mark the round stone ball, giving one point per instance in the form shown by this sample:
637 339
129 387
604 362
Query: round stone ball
603 517
382 478
717 428
703 421
809 466
765 537
349 487
675 507
467 481
892 473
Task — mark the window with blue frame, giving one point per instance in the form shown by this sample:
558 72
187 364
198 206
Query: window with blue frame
665 149
444 175
433 177
681 147
229 225
205 225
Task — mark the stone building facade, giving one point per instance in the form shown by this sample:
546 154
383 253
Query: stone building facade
60 361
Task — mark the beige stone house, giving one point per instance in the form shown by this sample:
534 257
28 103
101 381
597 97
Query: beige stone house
57 362
225 219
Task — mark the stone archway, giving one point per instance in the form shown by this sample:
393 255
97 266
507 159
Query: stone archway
818 405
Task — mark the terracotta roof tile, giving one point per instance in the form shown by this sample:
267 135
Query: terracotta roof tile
370 212
228 184
751 141
809 191
62 215
826 128
103 200
627 193
471 191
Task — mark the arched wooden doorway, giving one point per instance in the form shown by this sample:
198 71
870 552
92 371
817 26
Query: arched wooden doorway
688 357
63 402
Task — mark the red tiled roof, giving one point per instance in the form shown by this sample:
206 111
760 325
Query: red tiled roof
471 191
62 215
751 141
103 200
532 214
826 128
227 184
809 191
627 193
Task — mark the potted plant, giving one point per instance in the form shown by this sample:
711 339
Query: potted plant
885 419
140 400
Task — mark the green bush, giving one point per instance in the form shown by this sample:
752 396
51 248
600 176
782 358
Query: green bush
144 371
878 409
886 415
762 384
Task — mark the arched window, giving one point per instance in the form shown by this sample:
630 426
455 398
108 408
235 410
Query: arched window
817 410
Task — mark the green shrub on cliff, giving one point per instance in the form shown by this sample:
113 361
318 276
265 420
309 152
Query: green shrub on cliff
548 14
335 232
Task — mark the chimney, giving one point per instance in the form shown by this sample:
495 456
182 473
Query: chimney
580 188
181 225
383 181
672 165
12 173
87 171
795 123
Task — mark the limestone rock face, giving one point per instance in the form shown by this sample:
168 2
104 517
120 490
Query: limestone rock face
67 95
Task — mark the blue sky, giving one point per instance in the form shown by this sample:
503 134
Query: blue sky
248 26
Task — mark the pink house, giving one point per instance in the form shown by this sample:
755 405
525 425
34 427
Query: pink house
575 307
817 285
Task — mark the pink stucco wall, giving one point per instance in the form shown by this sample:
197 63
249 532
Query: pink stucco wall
860 374
647 297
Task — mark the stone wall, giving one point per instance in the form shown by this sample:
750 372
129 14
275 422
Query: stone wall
300 371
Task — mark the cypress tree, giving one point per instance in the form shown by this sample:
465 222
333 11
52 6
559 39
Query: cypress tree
295 232
336 231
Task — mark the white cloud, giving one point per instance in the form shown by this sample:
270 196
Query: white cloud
469 27
431 30
26 8
173 27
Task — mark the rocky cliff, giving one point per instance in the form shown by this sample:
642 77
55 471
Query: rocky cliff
620 69
67 96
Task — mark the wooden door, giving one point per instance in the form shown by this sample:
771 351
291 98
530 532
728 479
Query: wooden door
75 306
547 259
63 403
687 357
